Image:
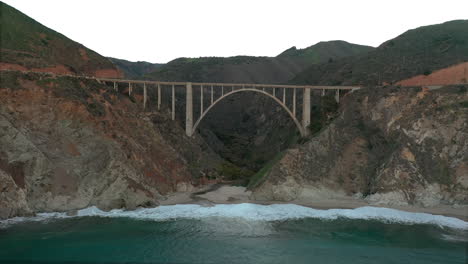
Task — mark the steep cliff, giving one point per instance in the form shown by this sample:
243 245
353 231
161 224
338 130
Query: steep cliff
392 146
68 143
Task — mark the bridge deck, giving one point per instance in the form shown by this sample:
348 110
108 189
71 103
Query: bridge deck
239 85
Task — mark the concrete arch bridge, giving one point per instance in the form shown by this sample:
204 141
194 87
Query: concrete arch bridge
210 94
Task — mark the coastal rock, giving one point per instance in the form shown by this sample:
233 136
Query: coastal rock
392 145
12 198
68 143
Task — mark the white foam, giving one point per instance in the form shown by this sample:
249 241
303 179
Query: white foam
247 211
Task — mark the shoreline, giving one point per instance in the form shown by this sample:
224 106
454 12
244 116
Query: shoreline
228 194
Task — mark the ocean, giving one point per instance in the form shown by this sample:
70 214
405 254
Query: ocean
235 233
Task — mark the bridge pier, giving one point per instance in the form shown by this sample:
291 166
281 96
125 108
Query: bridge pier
337 96
144 95
284 95
211 94
173 103
306 111
294 102
201 99
189 110
159 96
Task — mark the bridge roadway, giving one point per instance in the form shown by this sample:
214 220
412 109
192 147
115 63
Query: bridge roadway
275 91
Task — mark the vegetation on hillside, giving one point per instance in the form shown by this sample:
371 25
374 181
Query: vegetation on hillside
255 69
135 70
417 51
28 43
326 51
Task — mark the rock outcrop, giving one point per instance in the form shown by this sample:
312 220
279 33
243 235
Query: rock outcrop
68 143
393 146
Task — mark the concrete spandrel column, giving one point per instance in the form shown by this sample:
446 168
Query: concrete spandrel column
129 89
294 102
337 95
189 110
159 96
306 110
173 103
201 99
211 94
284 96
144 95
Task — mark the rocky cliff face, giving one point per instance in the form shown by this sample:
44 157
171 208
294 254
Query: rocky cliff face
393 146
68 143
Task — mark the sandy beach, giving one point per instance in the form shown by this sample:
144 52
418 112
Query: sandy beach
227 194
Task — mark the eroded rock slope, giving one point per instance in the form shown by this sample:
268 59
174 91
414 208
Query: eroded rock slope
68 143
392 145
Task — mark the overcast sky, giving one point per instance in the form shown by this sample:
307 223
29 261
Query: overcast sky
162 30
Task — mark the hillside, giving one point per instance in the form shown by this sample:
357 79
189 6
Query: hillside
325 51
28 45
135 70
418 51
391 146
69 143
250 69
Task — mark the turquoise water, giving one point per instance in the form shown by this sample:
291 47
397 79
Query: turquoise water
235 234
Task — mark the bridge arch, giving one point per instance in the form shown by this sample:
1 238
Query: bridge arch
301 129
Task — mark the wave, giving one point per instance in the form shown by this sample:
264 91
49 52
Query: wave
256 212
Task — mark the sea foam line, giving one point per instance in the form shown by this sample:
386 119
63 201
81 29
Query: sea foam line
256 212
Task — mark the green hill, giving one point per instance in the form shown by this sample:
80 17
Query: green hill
417 51
26 44
135 70
250 69
326 50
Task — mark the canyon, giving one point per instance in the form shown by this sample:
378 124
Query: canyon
68 141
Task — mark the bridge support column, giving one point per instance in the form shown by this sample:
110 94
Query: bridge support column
337 96
284 96
201 99
159 96
211 94
129 89
294 102
173 103
306 111
144 95
189 110
115 86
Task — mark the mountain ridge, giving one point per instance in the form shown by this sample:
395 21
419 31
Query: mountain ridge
254 69
418 51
